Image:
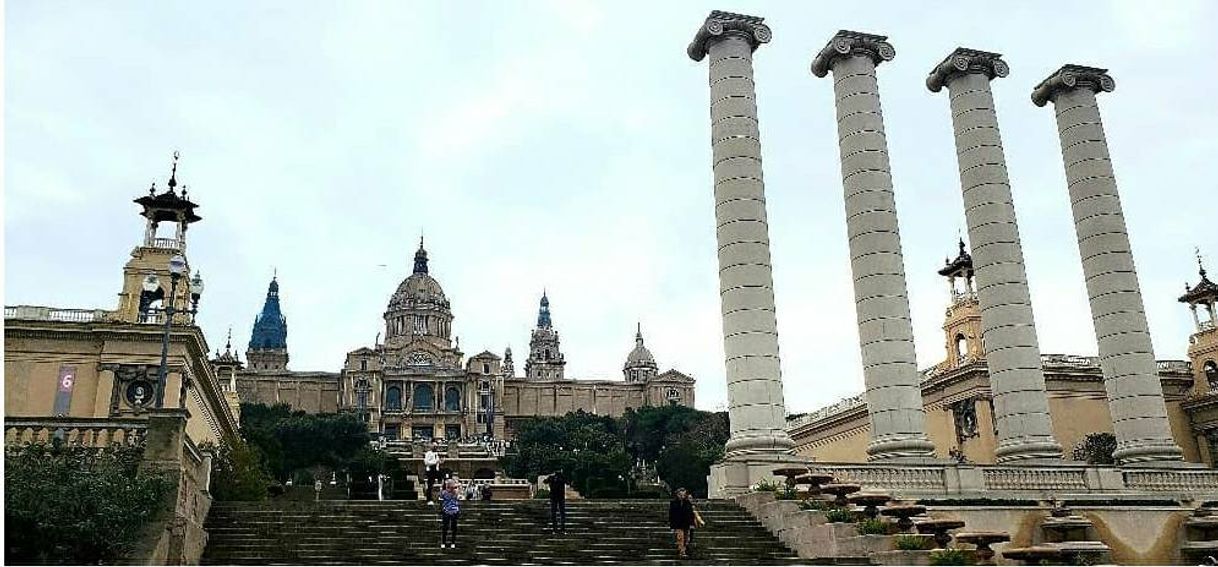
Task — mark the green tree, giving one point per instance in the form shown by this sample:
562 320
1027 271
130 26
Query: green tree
77 505
1096 448
289 441
239 474
589 448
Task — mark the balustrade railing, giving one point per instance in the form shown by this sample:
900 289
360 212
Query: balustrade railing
89 432
163 243
40 313
889 477
1190 482
1019 478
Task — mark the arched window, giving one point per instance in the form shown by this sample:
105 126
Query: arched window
961 346
393 398
424 396
452 399
1211 373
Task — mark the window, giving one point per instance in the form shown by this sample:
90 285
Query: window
423 432
424 397
484 401
452 432
452 399
961 346
1211 374
486 385
361 394
363 364
393 398
391 431
486 368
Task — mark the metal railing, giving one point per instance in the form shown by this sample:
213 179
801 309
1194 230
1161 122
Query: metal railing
85 431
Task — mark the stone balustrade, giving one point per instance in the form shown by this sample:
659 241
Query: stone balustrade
1032 482
89 432
163 243
40 313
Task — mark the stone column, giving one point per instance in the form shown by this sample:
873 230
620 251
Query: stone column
1025 430
750 334
894 392
1135 396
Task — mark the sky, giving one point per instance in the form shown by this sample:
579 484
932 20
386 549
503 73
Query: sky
565 146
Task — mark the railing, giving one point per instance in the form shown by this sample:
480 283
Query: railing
1205 326
39 313
163 243
889 477
1034 479
86 431
1175 366
1189 482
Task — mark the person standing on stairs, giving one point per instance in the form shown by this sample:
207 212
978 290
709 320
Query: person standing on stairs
431 464
681 519
558 501
450 510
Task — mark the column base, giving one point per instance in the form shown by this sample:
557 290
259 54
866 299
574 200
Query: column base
735 476
904 448
1021 451
761 446
1152 453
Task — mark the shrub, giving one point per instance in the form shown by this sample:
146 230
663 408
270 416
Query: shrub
541 494
910 542
839 515
767 485
77 505
873 526
951 557
1096 449
816 505
238 474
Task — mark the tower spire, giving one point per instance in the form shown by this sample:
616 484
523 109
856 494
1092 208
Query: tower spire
420 258
173 175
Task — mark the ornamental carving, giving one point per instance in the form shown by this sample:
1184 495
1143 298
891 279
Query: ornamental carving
720 25
851 44
964 61
1071 77
419 358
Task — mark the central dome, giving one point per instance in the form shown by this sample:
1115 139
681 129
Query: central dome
418 290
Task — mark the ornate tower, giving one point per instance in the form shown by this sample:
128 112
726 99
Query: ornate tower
509 368
149 262
640 365
226 366
1203 344
962 325
545 360
419 310
268 349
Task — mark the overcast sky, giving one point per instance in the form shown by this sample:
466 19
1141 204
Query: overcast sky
565 145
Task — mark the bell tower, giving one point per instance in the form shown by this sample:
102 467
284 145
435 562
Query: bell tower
962 326
146 275
1202 300
268 349
545 360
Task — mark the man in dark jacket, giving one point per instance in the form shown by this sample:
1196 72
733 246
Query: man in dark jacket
558 501
680 519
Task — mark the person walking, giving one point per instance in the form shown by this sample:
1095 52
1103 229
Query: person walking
450 510
681 519
431 465
698 522
558 501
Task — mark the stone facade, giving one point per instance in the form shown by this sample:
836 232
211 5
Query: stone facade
417 384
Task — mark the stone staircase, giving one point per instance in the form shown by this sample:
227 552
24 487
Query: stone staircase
619 532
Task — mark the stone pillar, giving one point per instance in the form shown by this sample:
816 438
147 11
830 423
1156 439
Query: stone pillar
894 392
1135 396
1025 430
750 335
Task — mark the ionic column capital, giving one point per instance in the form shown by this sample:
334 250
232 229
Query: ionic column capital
851 43
964 61
720 25
1071 77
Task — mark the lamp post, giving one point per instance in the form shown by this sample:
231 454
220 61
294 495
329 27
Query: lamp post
177 267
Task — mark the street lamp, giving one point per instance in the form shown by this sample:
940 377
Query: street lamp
177 267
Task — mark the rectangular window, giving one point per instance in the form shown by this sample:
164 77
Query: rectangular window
423 432
391 431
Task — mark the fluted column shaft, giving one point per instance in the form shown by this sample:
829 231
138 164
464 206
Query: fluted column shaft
1021 407
893 389
750 333
1135 395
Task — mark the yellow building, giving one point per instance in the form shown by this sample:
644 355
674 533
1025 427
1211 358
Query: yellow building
98 376
958 402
